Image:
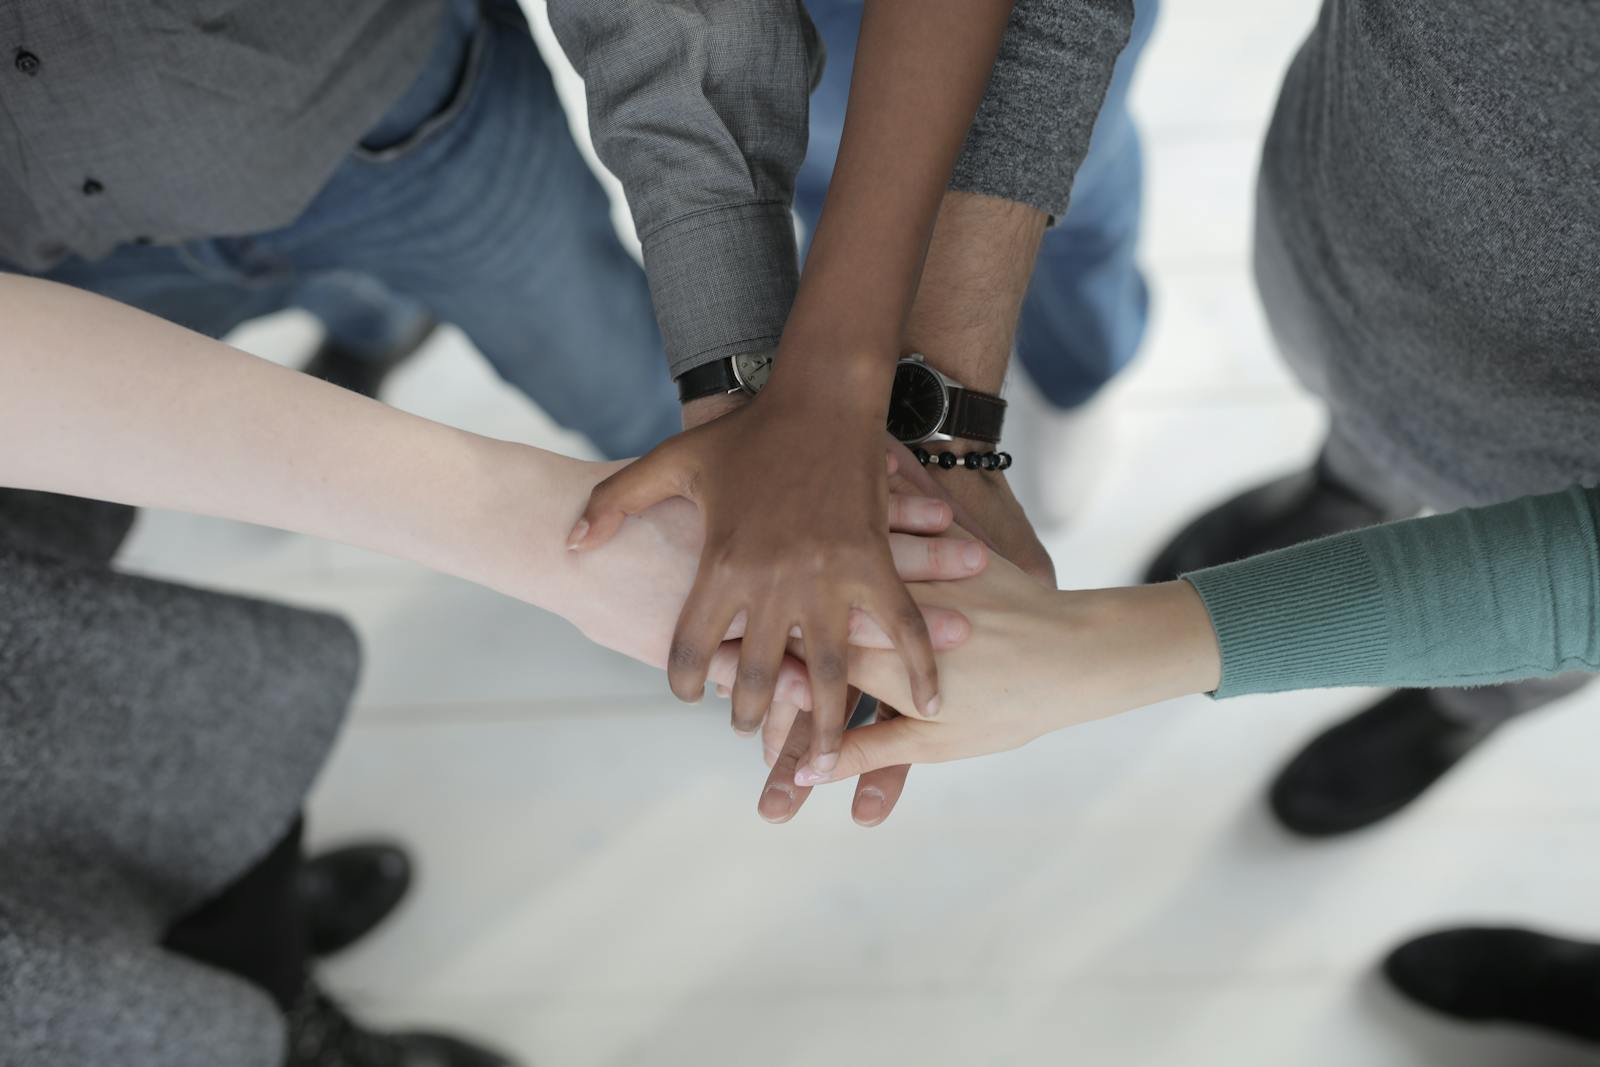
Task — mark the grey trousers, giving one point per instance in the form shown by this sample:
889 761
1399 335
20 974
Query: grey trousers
155 740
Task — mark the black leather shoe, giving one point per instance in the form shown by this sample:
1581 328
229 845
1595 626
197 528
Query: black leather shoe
321 1034
1371 765
1504 975
345 893
1297 507
334 363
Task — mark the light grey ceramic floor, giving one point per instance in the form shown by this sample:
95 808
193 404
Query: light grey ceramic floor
595 886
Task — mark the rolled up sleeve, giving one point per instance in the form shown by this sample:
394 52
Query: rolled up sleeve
1032 129
700 108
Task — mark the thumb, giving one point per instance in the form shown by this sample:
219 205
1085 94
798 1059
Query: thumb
634 488
867 748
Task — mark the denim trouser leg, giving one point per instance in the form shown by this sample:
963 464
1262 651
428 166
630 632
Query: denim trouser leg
489 217
359 313
479 209
173 284
1086 308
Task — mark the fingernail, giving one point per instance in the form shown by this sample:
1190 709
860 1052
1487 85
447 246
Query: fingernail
869 806
742 732
932 710
826 762
972 555
953 630
579 532
723 691
807 777
775 804
932 511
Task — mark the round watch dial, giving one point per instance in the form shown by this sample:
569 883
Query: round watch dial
918 404
752 370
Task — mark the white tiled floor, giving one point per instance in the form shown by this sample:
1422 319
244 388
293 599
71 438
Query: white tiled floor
596 889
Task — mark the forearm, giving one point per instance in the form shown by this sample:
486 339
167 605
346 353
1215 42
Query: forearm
920 71
106 402
1475 597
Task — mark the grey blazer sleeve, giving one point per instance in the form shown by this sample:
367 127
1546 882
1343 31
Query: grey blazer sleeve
1032 129
700 108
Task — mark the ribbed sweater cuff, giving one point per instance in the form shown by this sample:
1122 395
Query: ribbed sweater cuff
1307 617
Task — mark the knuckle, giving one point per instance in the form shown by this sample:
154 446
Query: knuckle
755 676
909 618
683 655
828 667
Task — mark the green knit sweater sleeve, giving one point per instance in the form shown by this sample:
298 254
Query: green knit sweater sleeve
1475 597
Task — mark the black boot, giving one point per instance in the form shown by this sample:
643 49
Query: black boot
1506 975
347 892
1371 765
337 364
321 1034
1297 507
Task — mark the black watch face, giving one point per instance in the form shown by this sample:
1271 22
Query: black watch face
918 403
752 371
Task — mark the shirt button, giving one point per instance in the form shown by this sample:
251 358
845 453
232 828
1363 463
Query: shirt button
92 187
27 63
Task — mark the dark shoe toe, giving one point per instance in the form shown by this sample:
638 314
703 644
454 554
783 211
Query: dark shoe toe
441 1050
1370 766
347 892
1286 511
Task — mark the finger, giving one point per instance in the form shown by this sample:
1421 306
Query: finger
757 680
877 792
870 748
775 731
949 628
826 638
781 797
936 559
696 640
902 620
879 673
633 489
794 687
919 514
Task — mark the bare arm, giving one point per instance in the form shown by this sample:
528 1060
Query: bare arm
107 402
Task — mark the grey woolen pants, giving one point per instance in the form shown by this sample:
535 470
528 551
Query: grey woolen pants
155 740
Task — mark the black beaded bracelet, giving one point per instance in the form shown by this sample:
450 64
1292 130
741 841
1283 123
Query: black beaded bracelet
972 461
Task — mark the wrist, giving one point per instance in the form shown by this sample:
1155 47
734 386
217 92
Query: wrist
1154 642
706 409
504 528
1169 625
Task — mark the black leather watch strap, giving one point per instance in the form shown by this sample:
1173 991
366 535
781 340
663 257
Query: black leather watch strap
708 379
974 416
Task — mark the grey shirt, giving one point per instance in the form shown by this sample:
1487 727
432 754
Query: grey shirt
174 121
186 118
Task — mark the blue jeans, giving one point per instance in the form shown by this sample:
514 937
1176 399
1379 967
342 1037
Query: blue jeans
1087 306
470 200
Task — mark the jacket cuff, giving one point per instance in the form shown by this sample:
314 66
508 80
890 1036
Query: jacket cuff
1311 616
723 281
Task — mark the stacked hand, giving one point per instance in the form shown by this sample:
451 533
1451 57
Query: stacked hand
1038 660
797 538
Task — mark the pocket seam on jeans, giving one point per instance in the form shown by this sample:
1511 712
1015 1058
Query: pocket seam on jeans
446 116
